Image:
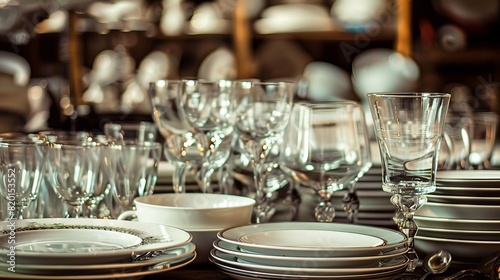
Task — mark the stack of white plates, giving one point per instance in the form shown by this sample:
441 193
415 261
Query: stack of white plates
309 250
90 249
375 207
462 215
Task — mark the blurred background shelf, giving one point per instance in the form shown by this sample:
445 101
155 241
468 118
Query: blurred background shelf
239 39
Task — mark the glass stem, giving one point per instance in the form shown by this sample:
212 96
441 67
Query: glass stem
179 177
259 153
407 205
206 177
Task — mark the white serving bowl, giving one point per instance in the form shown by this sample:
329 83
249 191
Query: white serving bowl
193 211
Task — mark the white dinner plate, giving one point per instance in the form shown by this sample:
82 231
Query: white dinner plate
389 265
462 199
313 239
461 250
475 235
468 177
70 241
320 262
243 274
154 237
457 224
158 268
459 211
171 254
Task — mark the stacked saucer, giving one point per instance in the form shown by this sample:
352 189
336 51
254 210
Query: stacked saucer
90 249
309 250
462 215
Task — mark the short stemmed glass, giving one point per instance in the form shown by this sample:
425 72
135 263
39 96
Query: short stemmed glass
74 172
350 201
21 171
209 111
321 150
409 128
262 113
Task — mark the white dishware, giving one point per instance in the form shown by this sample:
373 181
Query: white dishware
474 189
167 255
243 274
157 268
228 259
457 224
192 211
458 178
68 241
359 240
154 237
462 250
478 234
459 211
291 261
462 199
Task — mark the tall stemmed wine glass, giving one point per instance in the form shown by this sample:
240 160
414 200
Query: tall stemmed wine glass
208 109
409 128
350 201
179 146
262 113
321 150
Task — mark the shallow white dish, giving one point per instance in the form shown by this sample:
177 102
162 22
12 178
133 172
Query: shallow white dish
474 235
462 199
168 255
461 250
70 241
286 261
390 265
466 177
243 274
459 211
457 224
359 240
154 237
157 268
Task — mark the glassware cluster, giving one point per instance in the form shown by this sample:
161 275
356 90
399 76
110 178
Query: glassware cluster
74 175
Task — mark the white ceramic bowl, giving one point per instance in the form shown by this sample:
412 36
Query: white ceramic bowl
193 211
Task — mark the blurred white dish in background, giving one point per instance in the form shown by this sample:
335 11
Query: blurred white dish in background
155 66
293 18
173 19
451 38
326 81
218 65
459 211
358 14
208 19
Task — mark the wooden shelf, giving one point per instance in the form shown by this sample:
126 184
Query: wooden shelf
472 56
385 34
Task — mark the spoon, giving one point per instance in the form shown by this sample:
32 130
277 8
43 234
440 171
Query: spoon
436 262
489 267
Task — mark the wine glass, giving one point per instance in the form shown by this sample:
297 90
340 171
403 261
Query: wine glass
179 148
409 129
321 150
208 109
262 113
133 173
22 166
350 201
74 172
